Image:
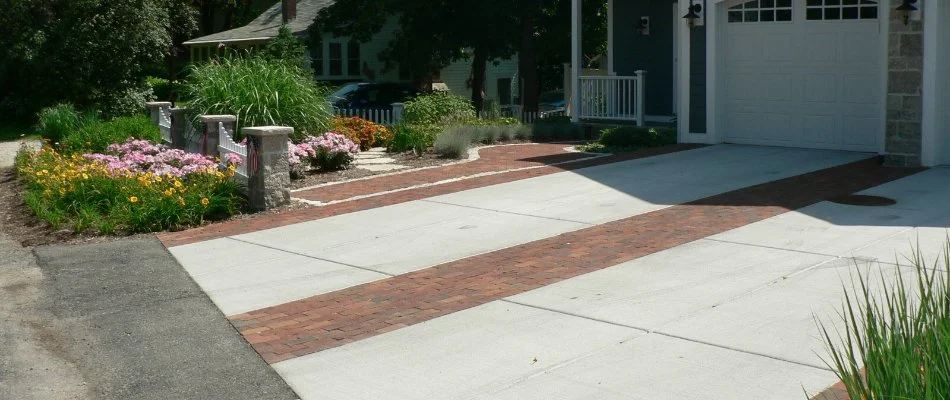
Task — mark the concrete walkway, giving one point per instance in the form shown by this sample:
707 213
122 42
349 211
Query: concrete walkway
8 150
635 296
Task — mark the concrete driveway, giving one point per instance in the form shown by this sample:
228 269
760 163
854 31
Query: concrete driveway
682 276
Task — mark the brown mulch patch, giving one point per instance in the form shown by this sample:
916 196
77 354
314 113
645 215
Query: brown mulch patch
428 159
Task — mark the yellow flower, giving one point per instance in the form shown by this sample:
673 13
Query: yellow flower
133 199
84 176
169 192
158 179
205 201
177 183
181 201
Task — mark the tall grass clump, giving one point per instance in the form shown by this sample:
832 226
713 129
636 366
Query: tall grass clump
455 141
97 136
60 120
260 92
900 336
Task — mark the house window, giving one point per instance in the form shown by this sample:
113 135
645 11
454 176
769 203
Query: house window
353 58
762 11
820 10
335 58
317 61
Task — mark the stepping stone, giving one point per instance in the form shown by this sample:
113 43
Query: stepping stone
363 161
377 150
381 167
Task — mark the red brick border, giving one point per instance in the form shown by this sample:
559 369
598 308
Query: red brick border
267 221
329 320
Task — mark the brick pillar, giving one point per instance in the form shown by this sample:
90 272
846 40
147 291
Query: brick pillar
179 119
904 101
209 132
268 172
154 108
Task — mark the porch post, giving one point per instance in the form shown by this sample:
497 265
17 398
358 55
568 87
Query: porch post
575 59
930 140
610 37
682 109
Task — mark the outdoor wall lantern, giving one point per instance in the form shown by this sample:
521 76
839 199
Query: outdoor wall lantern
693 18
906 8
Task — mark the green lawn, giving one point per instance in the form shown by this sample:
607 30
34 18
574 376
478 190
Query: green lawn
12 132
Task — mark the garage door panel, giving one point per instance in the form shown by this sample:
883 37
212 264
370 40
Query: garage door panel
820 130
802 83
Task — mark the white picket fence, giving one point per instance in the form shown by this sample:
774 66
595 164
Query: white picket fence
165 125
612 98
382 117
227 145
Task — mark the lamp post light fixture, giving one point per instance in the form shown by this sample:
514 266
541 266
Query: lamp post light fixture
906 8
693 15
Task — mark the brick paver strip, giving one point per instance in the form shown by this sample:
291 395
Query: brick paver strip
267 221
491 159
329 320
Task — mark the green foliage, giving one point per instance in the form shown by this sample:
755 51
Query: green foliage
287 48
900 334
454 142
58 121
631 137
259 92
406 138
92 53
327 161
95 137
438 108
553 129
162 88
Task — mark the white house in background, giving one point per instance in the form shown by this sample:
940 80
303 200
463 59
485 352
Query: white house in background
858 75
343 60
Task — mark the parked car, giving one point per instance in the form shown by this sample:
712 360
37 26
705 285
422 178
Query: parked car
552 100
371 96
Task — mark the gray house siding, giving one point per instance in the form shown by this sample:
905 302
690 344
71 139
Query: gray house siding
654 53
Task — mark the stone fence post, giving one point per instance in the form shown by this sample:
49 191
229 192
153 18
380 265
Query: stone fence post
268 172
179 119
155 107
209 133
398 108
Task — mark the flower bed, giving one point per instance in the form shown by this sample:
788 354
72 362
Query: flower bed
364 133
136 186
327 152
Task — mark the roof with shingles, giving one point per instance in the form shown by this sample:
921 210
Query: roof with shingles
265 26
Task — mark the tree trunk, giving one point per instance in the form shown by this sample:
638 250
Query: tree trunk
528 65
479 64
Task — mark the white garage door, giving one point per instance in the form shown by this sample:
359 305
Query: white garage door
801 73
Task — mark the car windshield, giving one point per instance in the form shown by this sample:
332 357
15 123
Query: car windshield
345 91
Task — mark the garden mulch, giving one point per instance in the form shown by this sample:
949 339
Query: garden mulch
516 156
333 319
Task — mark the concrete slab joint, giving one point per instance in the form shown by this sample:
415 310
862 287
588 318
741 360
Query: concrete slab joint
268 181
209 132
905 77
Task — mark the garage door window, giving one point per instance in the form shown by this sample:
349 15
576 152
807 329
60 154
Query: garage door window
822 10
761 11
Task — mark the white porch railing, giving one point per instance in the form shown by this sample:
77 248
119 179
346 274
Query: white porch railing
227 145
165 125
612 98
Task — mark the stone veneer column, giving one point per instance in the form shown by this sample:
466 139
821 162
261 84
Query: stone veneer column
209 134
268 172
904 99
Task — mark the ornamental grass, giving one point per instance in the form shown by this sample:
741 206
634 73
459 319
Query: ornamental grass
895 343
135 187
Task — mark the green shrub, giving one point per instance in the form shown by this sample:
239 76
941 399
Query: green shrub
627 137
547 131
901 336
259 92
439 108
162 88
406 138
95 137
58 121
122 103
